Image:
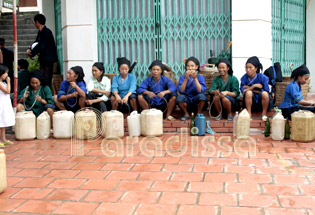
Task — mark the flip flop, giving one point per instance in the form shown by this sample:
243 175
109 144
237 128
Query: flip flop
184 118
8 142
2 145
170 118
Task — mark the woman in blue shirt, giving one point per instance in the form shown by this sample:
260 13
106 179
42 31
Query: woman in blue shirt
154 90
191 87
293 98
72 92
255 88
124 87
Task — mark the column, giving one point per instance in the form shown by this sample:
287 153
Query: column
251 33
310 41
79 34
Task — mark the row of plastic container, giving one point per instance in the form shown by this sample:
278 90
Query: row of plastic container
87 125
302 126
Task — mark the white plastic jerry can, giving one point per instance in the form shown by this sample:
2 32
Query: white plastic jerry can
303 126
112 124
63 124
25 126
151 122
85 125
134 126
3 171
277 127
43 126
243 125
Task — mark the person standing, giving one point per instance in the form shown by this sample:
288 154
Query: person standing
7 60
45 47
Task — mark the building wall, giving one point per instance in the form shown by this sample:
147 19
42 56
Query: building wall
79 33
251 33
48 10
310 40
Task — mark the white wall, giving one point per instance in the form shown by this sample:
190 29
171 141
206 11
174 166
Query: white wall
79 34
251 33
48 9
310 40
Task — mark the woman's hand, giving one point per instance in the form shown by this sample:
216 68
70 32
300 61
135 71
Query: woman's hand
187 74
73 84
38 98
118 98
193 75
125 100
8 79
161 94
151 94
223 94
89 102
75 94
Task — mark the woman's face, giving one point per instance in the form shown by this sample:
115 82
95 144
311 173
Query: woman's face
71 76
251 70
191 66
96 73
124 69
223 69
156 71
302 79
35 83
4 75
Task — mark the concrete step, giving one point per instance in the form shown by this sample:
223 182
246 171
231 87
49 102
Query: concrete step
4 33
31 37
21 26
19 16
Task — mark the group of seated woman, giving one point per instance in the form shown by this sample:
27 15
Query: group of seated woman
160 92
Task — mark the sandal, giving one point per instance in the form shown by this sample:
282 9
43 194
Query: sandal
8 142
184 118
218 118
2 145
230 118
170 118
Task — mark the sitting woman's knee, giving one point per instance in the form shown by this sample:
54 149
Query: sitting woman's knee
248 94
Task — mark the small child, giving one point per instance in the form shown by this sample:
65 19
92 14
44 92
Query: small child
23 75
7 117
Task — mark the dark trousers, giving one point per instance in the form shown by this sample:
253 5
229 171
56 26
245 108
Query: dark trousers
46 68
101 106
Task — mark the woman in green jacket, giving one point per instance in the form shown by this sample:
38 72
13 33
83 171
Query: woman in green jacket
225 90
36 97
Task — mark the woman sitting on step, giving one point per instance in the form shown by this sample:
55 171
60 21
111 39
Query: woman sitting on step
72 92
124 88
293 98
36 96
255 88
98 88
225 90
191 87
158 91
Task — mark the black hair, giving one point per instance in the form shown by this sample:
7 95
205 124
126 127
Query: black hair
37 74
100 66
2 40
300 71
23 64
40 18
79 71
3 69
193 59
255 61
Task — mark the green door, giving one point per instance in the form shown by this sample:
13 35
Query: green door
59 33
288 33
161 29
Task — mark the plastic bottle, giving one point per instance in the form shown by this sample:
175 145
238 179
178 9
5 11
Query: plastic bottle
267 127
235 123
3 171
277 123
201 124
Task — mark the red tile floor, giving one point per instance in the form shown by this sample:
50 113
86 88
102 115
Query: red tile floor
160 176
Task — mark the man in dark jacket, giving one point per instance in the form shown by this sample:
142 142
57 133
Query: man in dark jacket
45 47
8 58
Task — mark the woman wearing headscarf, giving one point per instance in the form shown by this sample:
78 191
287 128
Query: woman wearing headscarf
98 88
124 87
156 90
36 96
72 92
225 89
293 98
255 88
191 87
